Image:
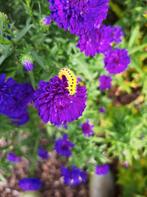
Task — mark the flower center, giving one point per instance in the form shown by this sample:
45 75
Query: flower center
71 80
65 146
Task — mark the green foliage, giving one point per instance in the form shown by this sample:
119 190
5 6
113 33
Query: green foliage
135 186
119 133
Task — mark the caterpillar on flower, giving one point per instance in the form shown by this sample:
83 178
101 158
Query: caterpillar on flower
71 79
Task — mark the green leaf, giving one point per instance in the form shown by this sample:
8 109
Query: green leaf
20 34
134 35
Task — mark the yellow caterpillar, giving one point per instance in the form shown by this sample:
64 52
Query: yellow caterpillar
71 79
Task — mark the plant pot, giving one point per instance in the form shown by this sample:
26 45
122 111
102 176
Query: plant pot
30 194
101 186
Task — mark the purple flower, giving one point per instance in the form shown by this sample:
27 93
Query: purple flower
13 158
14 99
99 40
73 176
63 146
102 169
27 62
87 129
78 16
30 184
116 61
28 65
61 100
42 153
46 20
105 82
102 109
116 34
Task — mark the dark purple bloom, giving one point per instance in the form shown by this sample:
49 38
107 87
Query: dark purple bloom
42 153
63 146
56 102
73 176
105 82
14 99
99 40
46 20
13 158
30 184
116 61
78 16
87 129
102 169
102 109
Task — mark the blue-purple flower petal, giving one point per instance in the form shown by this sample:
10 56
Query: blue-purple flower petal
116 61
63 146
14 99
43 153
13 158
73 176
102 169
87 129
30 184
105 82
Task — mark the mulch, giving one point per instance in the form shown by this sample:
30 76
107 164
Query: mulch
49 172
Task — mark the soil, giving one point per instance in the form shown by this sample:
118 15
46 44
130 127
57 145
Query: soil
49 172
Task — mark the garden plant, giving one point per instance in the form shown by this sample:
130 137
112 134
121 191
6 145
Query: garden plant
73 97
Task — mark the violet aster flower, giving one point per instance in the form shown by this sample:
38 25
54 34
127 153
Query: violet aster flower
116 61
61 100
42 153
46 20
102 109
63 146
73 176
87 129
99 40
105 82
27 62
30 184
78 16
14 99
13 158
102 169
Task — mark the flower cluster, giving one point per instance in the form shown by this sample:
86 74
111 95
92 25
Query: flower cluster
62 99
99 40
59 104
80 16
14 99
84 19
73 176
